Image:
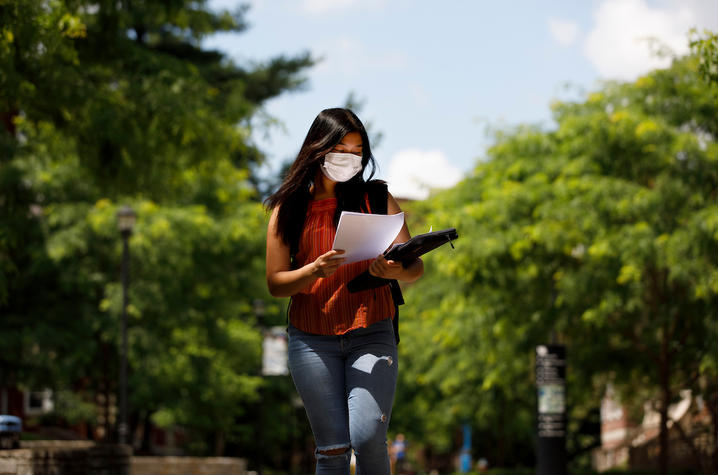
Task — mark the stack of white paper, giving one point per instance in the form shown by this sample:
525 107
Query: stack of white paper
365 236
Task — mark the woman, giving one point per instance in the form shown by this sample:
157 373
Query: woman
342 349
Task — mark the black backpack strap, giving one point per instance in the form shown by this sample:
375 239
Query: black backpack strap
378 194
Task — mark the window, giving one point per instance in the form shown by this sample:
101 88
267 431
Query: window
38 402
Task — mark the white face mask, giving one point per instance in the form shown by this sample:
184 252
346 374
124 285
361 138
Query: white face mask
341 167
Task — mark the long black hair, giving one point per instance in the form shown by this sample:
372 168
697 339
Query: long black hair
293 195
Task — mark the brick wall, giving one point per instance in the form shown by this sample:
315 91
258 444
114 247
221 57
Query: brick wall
86 457
66 458
188 466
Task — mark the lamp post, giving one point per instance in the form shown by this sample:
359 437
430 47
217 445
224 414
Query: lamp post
258 308
125 222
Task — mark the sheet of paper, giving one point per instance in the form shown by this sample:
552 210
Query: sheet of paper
365 236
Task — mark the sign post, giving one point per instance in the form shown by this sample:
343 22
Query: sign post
551 410
465 457
274 352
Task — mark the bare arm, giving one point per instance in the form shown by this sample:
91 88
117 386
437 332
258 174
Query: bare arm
392 269
281 279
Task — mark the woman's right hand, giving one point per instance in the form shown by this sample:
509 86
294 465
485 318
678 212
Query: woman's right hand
328 263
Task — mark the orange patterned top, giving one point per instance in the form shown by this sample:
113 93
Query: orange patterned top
326 307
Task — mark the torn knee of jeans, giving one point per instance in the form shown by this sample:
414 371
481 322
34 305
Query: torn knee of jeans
332 451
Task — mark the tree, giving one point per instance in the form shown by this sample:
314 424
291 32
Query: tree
106 103
706 48
603 231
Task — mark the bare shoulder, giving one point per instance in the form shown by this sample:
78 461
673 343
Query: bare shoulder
392 206
273 218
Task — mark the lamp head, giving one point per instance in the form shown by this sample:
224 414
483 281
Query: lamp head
126 219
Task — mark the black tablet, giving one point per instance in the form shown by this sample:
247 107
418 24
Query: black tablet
405 252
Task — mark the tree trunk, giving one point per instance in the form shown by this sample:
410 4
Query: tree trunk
145 445
135 421
219 443
712 404
664 378
501 450
107 393
8 120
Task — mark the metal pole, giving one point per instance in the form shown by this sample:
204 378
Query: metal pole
465 456
122 427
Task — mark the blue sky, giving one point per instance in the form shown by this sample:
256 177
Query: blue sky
433 76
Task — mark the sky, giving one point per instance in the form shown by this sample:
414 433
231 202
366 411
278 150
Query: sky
435 78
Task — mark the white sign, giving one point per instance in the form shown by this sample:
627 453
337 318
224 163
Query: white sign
551 399
274 352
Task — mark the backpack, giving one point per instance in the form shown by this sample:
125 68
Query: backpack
378 194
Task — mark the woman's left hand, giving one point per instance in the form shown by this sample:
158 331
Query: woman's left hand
386 269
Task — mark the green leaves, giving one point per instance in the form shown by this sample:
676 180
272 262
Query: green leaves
600 231
706 48
105 104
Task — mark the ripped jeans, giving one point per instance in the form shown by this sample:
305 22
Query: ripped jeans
347 384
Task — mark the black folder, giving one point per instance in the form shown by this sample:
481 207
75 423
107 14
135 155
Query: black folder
405 252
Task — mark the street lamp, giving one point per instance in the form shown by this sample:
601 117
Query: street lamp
125 222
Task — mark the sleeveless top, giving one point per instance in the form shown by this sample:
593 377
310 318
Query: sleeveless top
326 307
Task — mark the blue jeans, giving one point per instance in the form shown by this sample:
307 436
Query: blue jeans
347 383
